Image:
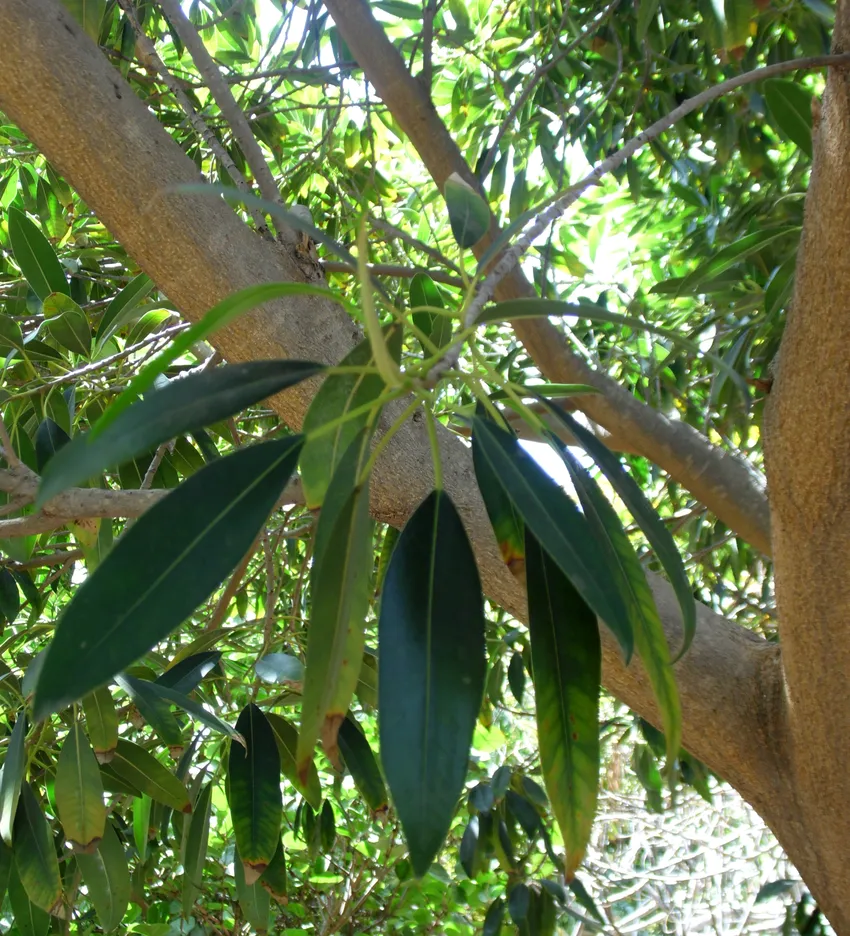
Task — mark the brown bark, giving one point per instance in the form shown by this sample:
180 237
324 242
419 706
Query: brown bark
807 450
76 108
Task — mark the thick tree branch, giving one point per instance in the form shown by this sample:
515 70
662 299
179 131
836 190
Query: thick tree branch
76 108
807 453
725 484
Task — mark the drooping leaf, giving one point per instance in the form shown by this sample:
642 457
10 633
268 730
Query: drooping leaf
101 723
13 775
142 825
6 862
161 569
79 791
506 522
362 764
469 214
274 878
516 677
424 293
432 666
144 772
341 591
35 856
791 106
567 660
29 919
327 826
493 918
286 736
626 569
341 394
107 879
36 258
255 797
655 530
254 900
556 523
195 849
180 407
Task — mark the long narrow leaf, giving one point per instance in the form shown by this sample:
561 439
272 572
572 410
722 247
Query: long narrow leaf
432 666
182 406
107 879
79 792
656 532
13 775
556 523
567 658
171 559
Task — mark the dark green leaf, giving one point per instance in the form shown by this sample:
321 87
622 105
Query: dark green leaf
362 765
327 826
182 406
107 879
36 258
653 527
13 774
556 522
161 569
10 599
49 438
431 672
493 918
186 674
516 677
35 856
255 797
469 848
67 324
144 772
469 214
518 902
567 658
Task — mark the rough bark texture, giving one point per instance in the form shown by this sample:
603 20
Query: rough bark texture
807 449
64 94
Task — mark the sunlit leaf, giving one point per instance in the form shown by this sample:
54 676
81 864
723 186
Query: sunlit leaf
469 214
275 878
161 569
424 293
101 723
286 737
36 258
123 306
431 672
791 106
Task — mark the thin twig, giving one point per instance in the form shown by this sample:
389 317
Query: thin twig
391 269
511 257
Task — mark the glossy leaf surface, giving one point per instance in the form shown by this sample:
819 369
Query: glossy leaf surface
431 672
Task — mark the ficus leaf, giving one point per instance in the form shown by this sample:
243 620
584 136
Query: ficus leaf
432 666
